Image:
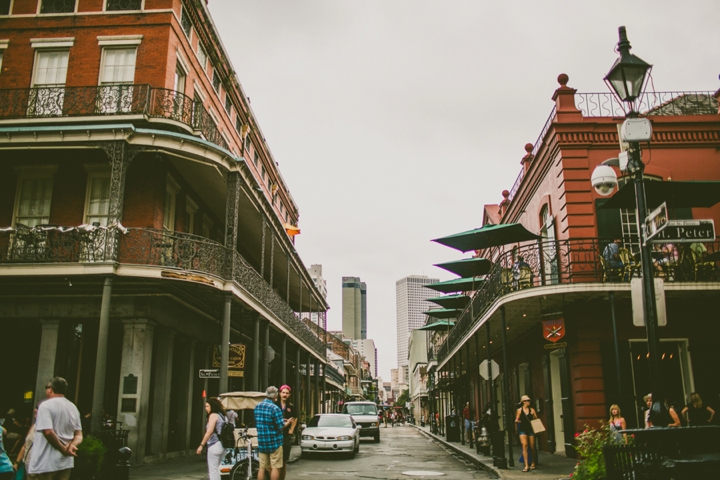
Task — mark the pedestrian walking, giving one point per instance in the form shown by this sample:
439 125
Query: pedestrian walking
467 423
215 449
58 434
269 423
290 423
525 414
7 470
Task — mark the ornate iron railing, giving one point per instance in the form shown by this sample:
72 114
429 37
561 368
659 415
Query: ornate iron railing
651 103
151 247
107 100
577 261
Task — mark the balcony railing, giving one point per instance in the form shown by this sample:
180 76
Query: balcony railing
578 261
651 103
109 100
151 247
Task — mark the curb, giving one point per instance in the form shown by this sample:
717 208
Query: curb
463 453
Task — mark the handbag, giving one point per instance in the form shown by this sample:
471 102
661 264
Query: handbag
537 425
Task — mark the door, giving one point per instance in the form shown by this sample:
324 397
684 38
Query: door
557 411
549 248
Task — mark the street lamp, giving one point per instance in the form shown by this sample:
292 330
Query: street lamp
627 79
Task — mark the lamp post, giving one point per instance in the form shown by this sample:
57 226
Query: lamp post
627 79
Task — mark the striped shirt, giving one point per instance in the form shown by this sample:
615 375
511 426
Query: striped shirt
269 423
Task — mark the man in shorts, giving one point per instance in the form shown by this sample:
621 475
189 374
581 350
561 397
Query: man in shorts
269 423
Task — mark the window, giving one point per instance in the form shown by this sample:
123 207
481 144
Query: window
171 191
202 57
49 83
216 80
228 104
97 205
57 6
114 5
191 209
185 23
206 226
117 75
33 200
4 7
256 160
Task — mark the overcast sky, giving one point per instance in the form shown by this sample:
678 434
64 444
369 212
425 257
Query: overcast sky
394 121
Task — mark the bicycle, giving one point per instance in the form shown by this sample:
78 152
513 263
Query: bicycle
247 466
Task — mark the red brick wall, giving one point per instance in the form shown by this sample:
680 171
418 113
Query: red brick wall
145 193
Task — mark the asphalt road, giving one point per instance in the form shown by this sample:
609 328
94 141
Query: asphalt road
401 450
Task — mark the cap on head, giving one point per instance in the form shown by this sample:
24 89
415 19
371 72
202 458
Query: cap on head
525 397
286 387
647 397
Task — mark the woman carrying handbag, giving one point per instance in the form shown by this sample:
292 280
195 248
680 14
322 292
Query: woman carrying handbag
523 420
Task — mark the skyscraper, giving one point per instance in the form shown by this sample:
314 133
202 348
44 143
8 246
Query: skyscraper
411 300
354 308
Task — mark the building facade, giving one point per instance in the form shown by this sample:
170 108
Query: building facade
146 232
354 308
554 319
410 303
367 349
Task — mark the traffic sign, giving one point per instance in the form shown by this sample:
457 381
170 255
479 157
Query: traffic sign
210 373
656 221
686 231
484 369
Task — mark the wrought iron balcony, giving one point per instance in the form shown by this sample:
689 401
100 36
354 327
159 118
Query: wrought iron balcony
578 261
150 247
109 100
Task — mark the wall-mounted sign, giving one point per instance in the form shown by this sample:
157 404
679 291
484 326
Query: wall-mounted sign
686 231
236 360
553 330
553 346
656 221
210 373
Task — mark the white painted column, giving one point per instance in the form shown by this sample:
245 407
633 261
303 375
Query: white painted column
47 357
161 391
135 372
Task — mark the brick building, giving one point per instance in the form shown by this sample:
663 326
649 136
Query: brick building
562 279
143 221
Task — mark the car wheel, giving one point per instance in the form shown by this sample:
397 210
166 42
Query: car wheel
352 454
377 437
304 454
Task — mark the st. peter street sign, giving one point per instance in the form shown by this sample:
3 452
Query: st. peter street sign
686 231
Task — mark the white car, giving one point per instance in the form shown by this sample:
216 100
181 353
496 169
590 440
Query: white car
331 432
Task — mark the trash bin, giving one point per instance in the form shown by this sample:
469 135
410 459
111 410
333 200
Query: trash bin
452 428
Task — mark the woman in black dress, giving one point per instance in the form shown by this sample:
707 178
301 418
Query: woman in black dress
525 414
695 413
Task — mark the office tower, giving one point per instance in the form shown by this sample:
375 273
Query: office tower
354 308
411 300
315 271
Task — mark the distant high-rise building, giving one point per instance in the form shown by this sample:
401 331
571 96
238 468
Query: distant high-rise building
315 271
411 300
354 308
367 349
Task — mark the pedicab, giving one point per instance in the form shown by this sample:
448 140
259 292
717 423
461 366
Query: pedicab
235 464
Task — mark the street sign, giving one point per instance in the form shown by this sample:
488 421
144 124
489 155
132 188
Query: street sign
637 302
210 373
656 221
686 231
484 369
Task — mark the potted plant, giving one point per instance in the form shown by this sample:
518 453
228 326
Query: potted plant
89 460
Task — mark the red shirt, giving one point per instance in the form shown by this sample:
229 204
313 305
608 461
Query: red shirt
466 413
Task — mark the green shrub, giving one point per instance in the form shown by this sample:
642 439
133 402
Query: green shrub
589 445
90 458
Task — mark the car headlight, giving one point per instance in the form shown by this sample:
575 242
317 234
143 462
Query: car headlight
308 437
374 424
345 437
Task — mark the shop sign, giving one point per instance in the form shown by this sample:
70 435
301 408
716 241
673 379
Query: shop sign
554 330
236 359
553 346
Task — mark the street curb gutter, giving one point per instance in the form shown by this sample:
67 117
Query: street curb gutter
463 453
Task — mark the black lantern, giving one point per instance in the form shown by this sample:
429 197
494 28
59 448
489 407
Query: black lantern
628 74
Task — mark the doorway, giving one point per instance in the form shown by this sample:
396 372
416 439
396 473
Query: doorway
557 403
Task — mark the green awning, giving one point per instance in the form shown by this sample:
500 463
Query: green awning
467 267
443 313
487 236
457 285
436 326
451 301
676 194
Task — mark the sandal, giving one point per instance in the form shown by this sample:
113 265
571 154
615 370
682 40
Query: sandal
526 469
532 467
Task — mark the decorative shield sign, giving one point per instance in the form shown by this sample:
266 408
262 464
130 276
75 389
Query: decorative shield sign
554 330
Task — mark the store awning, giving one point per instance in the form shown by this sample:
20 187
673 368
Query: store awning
487 236
451 301
442 313
676 194
467 267
457 285
437 326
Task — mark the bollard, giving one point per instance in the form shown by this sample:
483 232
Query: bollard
122 467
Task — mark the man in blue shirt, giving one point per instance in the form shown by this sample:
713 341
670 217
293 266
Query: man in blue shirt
269 423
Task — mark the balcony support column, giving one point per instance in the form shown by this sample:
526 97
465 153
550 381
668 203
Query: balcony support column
298 390
272 257
225 343
324 390
47 357
317 387
288 281
266 358
163 370
509 419
283 363
262 249
308 391
256 356
231 219
101 357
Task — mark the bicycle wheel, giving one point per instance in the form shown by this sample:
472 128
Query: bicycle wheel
239 471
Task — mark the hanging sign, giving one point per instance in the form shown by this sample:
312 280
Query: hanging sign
554 330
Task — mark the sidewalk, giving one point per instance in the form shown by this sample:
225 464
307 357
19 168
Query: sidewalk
192 467
550 467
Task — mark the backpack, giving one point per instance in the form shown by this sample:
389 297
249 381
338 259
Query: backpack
226 436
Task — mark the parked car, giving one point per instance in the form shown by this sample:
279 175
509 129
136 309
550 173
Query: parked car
331 432
365 414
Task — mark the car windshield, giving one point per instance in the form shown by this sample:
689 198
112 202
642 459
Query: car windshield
361 409
327 421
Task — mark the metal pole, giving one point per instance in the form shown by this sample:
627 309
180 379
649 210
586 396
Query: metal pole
308 392
498 449
256 356
283 363
225 344
317 386
266 359
324 390
509 427
297 375
617 348
101 357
